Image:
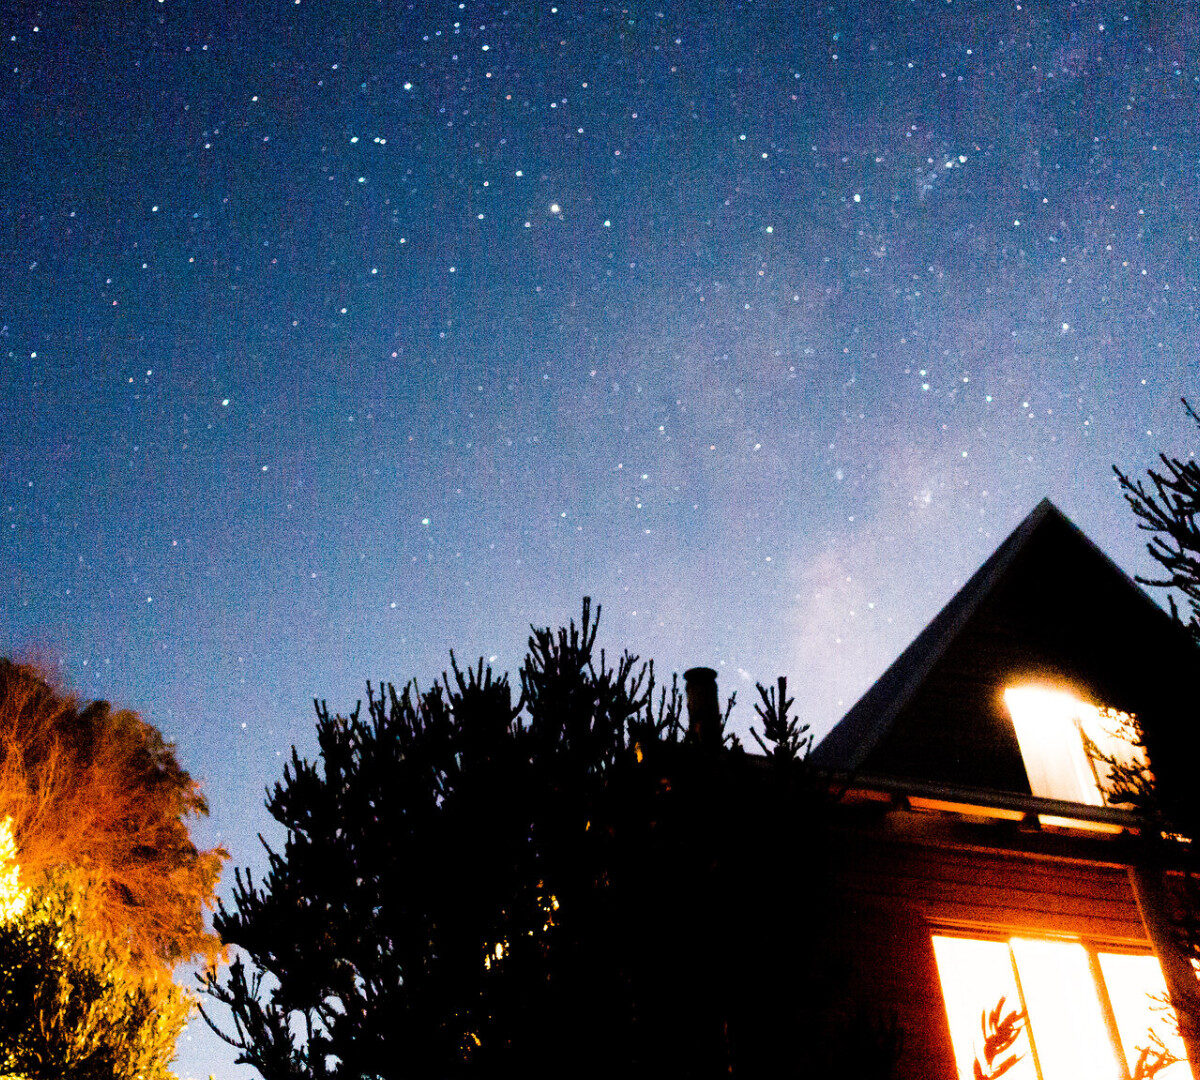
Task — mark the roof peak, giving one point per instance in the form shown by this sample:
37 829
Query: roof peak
1046 550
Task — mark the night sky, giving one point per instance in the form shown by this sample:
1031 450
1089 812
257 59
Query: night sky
335 335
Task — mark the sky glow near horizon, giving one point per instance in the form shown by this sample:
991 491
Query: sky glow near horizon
337 335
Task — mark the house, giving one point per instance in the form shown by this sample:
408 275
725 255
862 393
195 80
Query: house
984 868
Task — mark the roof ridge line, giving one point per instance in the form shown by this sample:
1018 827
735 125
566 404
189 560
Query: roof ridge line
872 716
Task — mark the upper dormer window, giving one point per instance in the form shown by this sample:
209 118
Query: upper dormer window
1066 743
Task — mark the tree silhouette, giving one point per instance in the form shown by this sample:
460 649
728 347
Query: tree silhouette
1169 508
565 881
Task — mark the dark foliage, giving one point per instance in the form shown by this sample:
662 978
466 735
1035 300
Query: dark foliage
1168 507
789 739
571 883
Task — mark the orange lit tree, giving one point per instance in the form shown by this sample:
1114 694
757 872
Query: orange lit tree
533 883
97 794
74 1006
101 889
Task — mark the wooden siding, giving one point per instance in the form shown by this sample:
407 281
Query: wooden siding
897 894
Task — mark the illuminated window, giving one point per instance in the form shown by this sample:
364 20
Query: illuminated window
1077 1013
1065 742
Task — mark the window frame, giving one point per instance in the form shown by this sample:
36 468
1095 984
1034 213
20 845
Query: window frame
1093 948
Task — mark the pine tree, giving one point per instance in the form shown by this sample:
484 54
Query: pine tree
1168 507
561 880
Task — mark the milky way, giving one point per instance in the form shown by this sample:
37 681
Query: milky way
335 335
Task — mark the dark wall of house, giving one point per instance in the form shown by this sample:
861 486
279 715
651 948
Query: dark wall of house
902 881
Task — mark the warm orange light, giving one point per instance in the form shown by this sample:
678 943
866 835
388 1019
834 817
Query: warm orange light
1085 1011
1067 743
1144 1018
13 899
1065 1017
492 954
1047 725
975 975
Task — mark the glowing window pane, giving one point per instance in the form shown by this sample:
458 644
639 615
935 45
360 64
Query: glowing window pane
1138 994
974 976
1068 1025
1048 732
1070 1032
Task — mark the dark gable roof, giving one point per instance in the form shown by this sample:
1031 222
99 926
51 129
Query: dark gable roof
1050 605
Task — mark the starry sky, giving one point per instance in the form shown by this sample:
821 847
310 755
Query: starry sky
335 334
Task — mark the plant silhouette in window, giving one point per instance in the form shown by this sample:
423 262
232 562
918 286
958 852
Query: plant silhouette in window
1155 1056
1000 1031
1122 770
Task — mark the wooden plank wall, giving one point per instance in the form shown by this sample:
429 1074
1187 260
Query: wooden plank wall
897 894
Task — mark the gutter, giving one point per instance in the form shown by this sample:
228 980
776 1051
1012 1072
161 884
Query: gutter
973 802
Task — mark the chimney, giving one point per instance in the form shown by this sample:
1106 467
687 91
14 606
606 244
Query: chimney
704 714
